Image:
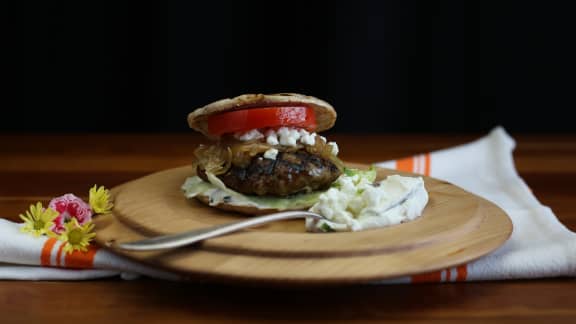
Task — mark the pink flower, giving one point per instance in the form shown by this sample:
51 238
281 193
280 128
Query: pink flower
58 226
68 207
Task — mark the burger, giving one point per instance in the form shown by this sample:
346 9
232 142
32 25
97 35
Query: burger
264 153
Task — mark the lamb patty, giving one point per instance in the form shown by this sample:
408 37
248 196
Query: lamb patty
289 173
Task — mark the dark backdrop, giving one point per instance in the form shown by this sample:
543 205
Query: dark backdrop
385 66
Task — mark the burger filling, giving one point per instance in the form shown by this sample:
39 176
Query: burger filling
278 162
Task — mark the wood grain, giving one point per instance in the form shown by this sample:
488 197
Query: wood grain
39 166
456 227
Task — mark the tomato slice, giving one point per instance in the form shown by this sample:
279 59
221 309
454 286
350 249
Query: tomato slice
263 117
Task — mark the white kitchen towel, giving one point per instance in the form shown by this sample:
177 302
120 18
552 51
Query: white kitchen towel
540 246
25 257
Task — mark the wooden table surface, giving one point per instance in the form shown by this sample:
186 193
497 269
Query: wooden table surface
39 167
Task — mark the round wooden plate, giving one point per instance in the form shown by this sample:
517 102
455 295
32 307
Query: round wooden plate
456 227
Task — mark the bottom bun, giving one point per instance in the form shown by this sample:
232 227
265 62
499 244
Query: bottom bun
248 210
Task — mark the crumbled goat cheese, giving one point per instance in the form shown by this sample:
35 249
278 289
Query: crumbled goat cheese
334 147
249 135
271 154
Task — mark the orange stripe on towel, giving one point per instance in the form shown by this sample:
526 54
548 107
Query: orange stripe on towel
81 260
461 272
435 276
406 164
427 165
59 254
47 252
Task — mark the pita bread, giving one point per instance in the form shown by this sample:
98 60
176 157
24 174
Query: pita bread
325 113
243 209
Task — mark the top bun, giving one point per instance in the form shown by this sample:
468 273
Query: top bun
325 113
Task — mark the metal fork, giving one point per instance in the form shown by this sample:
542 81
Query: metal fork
186 238
182 239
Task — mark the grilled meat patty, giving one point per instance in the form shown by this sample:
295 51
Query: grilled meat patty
289 173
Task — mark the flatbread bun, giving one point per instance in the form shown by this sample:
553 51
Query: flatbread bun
325 113
242 209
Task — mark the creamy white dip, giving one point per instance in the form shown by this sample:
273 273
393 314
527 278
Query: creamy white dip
355 203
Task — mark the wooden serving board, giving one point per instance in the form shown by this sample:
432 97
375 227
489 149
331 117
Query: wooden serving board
456 227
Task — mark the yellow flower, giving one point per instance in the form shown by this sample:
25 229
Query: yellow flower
38 220
100 200
76 236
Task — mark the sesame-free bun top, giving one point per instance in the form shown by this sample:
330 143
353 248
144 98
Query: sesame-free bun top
325 113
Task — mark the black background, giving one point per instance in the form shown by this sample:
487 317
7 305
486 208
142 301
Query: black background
385 66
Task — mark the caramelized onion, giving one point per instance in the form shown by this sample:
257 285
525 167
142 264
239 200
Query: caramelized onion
218 158
214 158
242 153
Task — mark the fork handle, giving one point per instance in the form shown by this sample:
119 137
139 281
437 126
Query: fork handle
186 238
